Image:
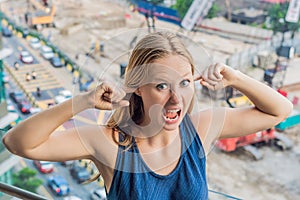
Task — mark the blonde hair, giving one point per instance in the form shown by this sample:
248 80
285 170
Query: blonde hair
150 48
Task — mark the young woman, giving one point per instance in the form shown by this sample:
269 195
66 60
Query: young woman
153 146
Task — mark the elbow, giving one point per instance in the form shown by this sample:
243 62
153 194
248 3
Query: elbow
288 108
10 145
5 142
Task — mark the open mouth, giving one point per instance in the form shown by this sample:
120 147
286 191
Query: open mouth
172 115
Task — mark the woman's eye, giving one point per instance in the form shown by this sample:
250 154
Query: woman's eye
185 83
162 86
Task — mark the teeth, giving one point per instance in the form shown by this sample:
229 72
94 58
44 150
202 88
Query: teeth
173 111
168 119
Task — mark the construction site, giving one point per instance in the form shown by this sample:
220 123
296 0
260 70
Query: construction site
99 35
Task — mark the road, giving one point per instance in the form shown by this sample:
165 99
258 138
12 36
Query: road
51 84
80 190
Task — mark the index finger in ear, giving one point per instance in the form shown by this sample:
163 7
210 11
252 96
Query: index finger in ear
197 78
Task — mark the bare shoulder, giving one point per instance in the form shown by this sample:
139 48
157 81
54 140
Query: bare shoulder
99 141
209 124
201 121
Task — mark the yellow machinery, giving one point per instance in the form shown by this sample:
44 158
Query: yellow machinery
40 14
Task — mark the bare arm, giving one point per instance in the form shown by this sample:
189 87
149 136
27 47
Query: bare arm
269 108
36 138
35 130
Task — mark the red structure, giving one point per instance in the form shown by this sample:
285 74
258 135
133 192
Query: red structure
231 144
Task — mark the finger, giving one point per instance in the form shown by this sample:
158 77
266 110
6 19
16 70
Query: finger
209 83
206 84
217 71
207 75
107 94
107 99
198 78
212 87
211 73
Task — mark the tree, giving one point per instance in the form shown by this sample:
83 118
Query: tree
25 179
213 11
277 14
182 7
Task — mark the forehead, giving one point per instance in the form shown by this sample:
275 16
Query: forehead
172 66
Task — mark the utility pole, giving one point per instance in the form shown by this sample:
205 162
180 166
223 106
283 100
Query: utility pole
227 3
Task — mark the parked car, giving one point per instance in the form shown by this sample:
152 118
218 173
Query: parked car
17 96
35 43
6 32
47 52
24 106
34 110
98 194
44 166
56 61
79 173
10 106
25 57
62 96
59 185
25 32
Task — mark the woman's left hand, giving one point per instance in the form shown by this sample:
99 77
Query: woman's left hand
217 76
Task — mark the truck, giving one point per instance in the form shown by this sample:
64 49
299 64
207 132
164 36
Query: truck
292 92
40 14
250 142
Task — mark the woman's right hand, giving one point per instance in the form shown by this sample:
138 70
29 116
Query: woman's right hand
106 97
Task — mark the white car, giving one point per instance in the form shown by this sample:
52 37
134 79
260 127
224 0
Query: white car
25 57
34 110
62 96
47 52
35 43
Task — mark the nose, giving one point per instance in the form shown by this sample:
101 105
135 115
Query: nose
174 97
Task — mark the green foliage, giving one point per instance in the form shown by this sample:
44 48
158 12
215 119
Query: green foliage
264 26
182 7
253 24
277 15
25 179
213 11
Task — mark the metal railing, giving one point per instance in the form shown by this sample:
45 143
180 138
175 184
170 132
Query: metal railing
19 193
24 194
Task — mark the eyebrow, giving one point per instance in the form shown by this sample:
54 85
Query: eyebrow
162 79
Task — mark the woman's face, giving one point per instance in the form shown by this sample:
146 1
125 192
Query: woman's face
167 92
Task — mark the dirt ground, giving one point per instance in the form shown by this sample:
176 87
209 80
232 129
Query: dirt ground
276 176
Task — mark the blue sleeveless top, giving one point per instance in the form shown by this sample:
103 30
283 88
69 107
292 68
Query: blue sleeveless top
186 181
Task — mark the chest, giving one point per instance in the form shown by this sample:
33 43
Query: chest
186 181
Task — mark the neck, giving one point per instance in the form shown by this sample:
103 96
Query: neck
158 140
